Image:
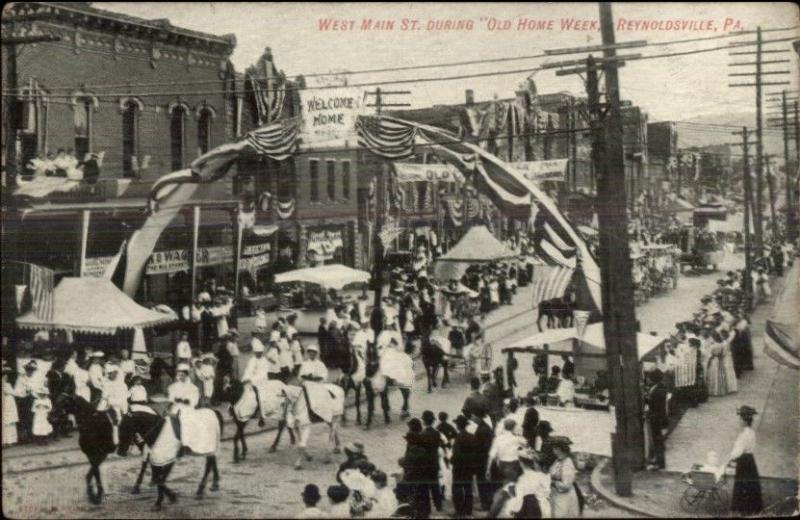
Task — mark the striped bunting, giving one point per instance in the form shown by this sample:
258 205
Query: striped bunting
550 282
41 285
389 138
276 141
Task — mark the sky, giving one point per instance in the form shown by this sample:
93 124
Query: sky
676 88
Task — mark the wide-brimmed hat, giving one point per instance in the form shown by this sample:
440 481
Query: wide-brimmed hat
98 353
354 447
527 454
561 441
183 367
111 368
311 492
544 427
746 411
43 390
257 345
312 348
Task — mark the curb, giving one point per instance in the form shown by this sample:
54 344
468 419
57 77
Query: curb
615 500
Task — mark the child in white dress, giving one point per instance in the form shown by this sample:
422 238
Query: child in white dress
41 409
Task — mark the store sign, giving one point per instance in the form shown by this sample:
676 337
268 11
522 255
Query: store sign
409 172
164 262
538 171
256 249
330 114
252 263
325 243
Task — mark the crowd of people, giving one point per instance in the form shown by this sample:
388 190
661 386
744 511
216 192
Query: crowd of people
496 456
65 163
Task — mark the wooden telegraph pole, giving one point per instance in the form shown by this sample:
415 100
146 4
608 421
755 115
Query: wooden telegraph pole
619 313
782 122
619 316
759 84
381 206
771 188
748 210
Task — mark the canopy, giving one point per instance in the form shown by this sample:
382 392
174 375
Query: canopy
562 341
782 338
96 306
334 276
678 205
477 246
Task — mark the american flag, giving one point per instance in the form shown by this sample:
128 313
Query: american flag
269 101
387 137
41 286
550 281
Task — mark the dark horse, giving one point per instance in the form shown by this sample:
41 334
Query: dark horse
558 312
95 438
352 378
434 357
142 428
232 391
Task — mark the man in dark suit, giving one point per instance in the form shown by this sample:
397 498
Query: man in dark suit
476 404
431 439
657 412
463 460
484 436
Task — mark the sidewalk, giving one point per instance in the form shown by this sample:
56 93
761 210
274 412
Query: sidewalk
519 310
771 389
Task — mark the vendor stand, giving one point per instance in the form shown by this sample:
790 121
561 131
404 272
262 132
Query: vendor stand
311 295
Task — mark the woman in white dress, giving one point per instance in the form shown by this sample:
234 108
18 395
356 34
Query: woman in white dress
10 414
727 362
564 497
532 483
81 378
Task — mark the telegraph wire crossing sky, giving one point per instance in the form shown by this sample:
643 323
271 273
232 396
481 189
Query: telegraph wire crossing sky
665 88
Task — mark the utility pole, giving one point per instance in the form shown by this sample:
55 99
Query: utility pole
573 119
747 283
381 206
782 122
759 84
619 313
771 187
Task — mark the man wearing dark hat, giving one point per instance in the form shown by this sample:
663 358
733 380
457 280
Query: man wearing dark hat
431 440
476 403
463 459
311 498
657 413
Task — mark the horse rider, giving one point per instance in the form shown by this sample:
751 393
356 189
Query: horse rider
183 351
96 375
255 373
114 398
312 368
182 394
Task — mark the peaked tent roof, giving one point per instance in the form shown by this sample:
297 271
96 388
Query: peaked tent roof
93 305
478 245
334 276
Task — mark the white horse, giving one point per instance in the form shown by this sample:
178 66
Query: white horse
198 430
327 405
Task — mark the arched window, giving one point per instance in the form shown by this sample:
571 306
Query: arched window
205 116
177 134
131 108
83 106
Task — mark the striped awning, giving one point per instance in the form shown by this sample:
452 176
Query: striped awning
550 281
782 333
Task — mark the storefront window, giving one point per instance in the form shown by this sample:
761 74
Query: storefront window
130 115
83 127
177 136
331 180
204 130
346 180
313 172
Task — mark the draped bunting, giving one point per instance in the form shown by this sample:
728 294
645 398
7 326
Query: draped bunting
285 209
389 138
276 141
269 101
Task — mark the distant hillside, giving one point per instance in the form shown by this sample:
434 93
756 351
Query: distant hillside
689 135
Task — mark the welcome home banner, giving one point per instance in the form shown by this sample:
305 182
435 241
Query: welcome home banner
330 114
537 171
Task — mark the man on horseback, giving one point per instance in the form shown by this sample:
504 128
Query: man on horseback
312 368
114 398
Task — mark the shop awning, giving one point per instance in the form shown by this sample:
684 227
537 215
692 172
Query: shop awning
782 338
592 343
334 276
95 306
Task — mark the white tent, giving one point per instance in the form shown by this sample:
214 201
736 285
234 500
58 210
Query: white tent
95 306
334 276
476 247
569 341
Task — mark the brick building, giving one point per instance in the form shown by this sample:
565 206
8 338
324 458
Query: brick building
149 97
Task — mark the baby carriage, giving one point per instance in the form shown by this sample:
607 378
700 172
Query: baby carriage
703 486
